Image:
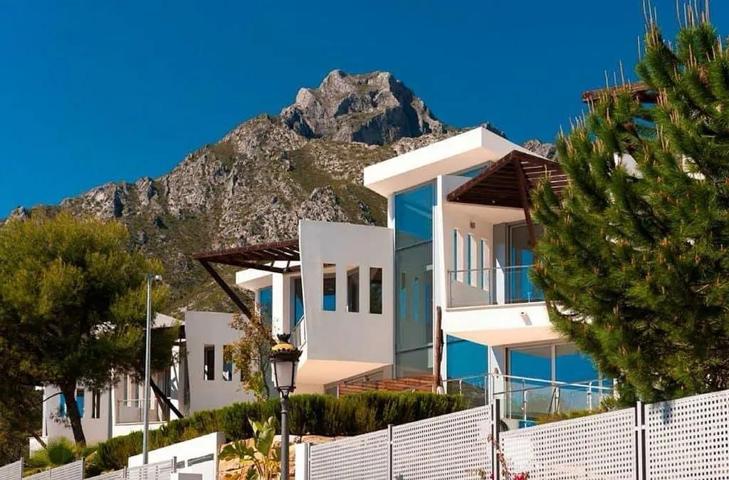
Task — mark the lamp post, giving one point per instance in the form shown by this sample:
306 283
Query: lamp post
284 357
147 366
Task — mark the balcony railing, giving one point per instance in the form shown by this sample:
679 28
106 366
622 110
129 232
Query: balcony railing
492 286
130 411
526 399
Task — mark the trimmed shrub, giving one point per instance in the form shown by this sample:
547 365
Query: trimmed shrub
309 414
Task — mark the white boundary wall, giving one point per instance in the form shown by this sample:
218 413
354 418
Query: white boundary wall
12 471
450 446
597 446
72 471
675 440
688 438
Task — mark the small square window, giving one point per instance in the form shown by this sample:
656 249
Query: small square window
375 290
209 362
329 291
353 289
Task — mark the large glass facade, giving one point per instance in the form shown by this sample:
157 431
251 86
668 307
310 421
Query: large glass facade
414 277
563 363
466 360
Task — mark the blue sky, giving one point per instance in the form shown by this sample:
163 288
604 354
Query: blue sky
92 92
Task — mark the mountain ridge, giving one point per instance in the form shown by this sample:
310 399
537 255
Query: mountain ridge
262 176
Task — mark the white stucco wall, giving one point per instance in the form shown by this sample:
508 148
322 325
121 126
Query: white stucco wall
197 448
342 343
210 328
95 429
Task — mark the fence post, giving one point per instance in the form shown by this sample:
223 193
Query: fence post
640 447
390 466
495 442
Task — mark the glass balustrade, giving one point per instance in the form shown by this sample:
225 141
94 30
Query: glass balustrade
492 286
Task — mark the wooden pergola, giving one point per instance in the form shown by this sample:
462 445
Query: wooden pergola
640 91
509 181
258 257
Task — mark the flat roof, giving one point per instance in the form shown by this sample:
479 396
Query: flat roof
454 154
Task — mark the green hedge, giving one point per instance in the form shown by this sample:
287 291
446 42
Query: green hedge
309 414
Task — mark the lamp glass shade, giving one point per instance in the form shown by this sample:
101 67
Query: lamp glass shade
284 375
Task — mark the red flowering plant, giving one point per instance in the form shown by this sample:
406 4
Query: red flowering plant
506 472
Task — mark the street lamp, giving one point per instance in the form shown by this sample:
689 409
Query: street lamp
147 367
284 358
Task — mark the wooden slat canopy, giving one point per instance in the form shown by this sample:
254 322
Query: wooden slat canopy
501 183
254 256
509 181
257 257
640 91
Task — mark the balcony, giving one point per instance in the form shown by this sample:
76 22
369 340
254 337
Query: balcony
492 286
129 411
496 306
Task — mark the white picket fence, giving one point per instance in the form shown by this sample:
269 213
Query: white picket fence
71 471
151 471
450 446
12 471
75 471
677 440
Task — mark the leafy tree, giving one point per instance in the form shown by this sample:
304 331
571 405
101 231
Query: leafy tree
72 305
251 354
634 260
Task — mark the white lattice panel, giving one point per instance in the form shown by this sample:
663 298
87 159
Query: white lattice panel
46 475
688 438
364 457
115 475
72 471
13 471
453 446
152 471
597 446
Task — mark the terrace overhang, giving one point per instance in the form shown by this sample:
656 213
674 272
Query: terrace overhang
509 181
265 256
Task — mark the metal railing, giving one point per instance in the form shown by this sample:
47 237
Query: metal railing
492 286
130 410
474 389
525 398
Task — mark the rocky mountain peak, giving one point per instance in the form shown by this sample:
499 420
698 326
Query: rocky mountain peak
373 108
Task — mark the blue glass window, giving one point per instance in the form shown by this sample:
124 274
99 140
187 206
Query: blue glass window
329 292
413 271
265 299
297 301
469 256
466 359
80 401
574 366
414 216
61 406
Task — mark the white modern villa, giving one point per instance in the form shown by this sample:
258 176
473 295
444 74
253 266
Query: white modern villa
199 379
365 303
440 296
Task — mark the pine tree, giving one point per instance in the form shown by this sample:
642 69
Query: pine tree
72 309
634 260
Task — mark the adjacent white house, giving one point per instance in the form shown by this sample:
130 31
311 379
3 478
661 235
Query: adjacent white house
201 378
